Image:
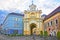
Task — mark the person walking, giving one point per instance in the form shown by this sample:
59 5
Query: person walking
34 34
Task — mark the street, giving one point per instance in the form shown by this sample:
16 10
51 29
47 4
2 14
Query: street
4 37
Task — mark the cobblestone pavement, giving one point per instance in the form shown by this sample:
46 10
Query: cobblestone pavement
4 37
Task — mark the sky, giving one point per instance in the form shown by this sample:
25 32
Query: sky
47 6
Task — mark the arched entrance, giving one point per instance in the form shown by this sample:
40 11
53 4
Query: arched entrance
32 26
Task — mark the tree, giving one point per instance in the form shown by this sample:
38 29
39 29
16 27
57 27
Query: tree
45 33
58 35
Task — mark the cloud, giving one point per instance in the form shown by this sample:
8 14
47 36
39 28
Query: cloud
13 4
46 6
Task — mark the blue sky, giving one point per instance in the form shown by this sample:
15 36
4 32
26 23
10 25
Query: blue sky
47 6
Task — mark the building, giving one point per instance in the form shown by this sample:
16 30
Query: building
52 21
33 22
13 24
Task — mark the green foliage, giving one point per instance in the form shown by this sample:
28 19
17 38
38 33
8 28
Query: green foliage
19 35
45 33
58 34
41 33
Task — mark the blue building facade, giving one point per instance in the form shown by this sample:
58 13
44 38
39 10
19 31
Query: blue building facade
13 24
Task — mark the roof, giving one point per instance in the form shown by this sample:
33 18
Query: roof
16 14
52 13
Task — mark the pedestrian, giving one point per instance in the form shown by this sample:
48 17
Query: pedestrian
34 34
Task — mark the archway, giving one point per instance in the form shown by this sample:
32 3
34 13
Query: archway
32 26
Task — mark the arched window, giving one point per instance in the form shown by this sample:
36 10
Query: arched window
48 24
32 15
56 21
51 23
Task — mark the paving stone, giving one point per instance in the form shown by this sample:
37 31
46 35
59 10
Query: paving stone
4 37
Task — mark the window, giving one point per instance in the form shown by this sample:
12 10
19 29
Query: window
48 24
32 15
15 31
51 22
56 21
45 26
15 25
16 19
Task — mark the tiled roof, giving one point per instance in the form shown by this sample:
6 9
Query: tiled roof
52 13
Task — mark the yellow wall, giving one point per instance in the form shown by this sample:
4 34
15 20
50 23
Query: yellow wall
57 15
32 17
